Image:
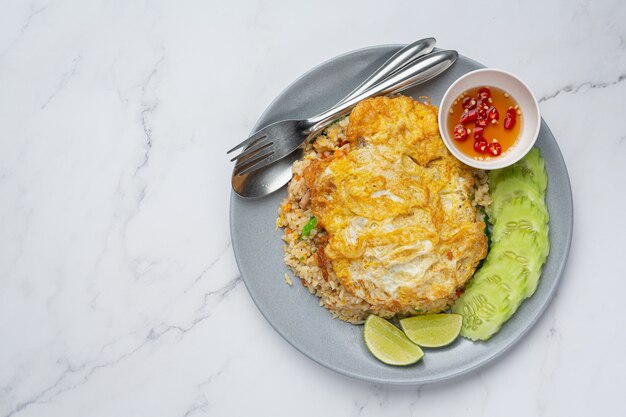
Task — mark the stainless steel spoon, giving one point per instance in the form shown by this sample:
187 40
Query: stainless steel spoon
269 179
399 60
265 181
277 140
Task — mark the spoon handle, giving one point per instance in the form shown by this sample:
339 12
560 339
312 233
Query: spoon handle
398 60
418 71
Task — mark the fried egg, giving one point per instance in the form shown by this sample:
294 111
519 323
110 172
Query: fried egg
402 231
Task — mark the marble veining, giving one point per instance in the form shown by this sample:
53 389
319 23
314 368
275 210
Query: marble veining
119 291
573 89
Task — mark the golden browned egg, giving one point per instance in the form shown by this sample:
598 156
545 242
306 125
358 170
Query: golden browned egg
403 234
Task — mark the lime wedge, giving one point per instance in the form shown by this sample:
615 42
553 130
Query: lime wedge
432 330
388 344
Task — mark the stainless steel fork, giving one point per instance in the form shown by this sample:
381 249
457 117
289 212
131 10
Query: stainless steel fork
262 182
279 139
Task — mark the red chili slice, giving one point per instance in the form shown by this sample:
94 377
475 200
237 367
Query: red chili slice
511 112
494 149
482 109
509 122
483 103
478 132
480 145
493 114
460 133
484 93
511 118
482 122
469 103
469 116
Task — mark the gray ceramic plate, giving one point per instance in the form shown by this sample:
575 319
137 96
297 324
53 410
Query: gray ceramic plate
295 313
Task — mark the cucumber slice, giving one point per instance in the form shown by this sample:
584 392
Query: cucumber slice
514 187
531 166
491 298
522 214
502 175
521 246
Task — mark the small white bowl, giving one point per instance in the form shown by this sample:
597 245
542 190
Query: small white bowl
531 121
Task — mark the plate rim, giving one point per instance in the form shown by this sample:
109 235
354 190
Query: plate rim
483 360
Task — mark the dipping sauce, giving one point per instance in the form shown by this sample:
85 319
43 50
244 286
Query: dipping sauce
484 122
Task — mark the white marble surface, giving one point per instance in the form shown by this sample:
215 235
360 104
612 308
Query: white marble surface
119 293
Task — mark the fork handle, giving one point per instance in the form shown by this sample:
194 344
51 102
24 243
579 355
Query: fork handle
398 60
418 71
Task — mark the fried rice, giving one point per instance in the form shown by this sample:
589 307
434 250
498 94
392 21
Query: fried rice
305 254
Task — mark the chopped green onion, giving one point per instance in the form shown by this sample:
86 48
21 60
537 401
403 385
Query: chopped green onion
487 230
309 226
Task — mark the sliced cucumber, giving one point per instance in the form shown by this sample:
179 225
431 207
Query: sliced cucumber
491 298
531 166
514 187
522 247
524 215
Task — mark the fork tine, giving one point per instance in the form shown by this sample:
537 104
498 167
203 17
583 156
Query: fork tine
252 165
252 157
256 136
254 148
262 163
